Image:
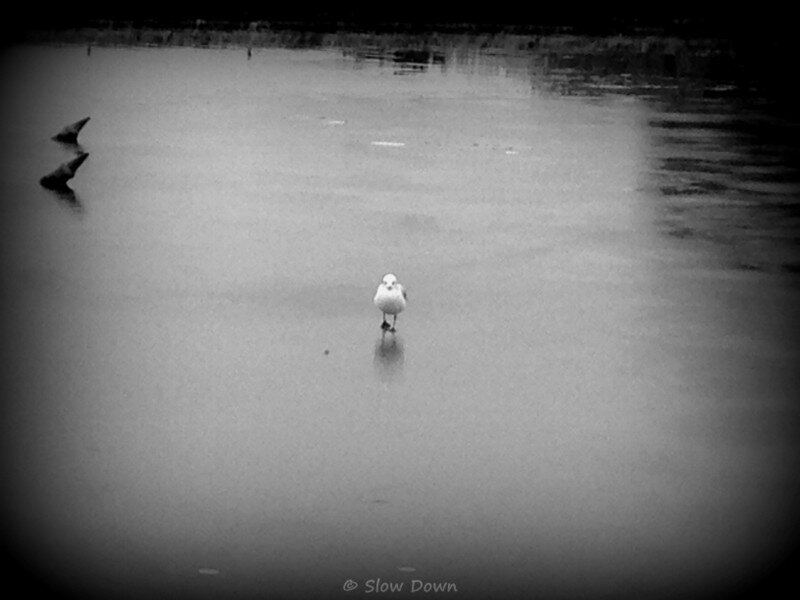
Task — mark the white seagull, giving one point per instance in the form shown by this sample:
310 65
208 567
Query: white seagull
390 299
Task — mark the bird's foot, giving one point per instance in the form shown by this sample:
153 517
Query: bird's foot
392 329
385 326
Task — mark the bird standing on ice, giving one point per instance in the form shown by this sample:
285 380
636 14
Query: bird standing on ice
390 299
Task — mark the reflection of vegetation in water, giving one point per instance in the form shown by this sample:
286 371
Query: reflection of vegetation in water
570 62
564 63
592 56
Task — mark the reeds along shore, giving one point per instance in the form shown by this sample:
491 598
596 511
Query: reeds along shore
266 37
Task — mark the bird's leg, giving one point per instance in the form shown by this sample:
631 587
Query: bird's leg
384 325
394 322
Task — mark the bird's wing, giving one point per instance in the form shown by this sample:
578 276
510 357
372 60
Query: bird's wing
405 295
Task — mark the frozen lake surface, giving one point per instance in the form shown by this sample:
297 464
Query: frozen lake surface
591 393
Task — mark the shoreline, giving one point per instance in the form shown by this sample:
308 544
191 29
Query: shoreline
265 36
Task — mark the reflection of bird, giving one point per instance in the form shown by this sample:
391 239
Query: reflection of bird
388 352
69 135
57 180
388 358
390 299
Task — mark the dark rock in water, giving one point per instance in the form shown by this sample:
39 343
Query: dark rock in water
57 180
69 135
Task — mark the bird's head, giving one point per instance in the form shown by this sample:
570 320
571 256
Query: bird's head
389 281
